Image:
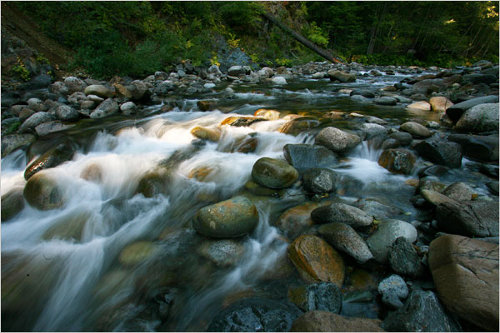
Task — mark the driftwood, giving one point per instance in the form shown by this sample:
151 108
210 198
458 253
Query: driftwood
328 55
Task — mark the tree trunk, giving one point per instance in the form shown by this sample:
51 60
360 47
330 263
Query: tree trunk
324 53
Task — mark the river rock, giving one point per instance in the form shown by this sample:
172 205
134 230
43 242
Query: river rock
478 78
420 105
304 156
239 121
274 173
99 90
385 100
455 112
128 108
480 118
393 289
344 238
15 141
35 120
397 160
378 210
428 86
440 103
68 227
280 80
360 99
465 273
267 114
67 113
342 213
299 125
459 191
404 259
341 76
139 90
316 260
337 140
136 253
12 203
52 158
204 133
107 108
477 147
222 253
323 296
255 315
323 321
42 192
440 152
415 129
151 184
373 130
74 84
388 231
232 218
316 180
468 218
36 104
404 138
422 312
295 220
51 127
25 114
238 70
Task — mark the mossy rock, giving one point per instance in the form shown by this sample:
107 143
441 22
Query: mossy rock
42 192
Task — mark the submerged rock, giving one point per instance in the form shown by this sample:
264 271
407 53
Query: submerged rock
274 173
255 315
316 180
397 160
42 192
12 203
295 220
226 252
235 217
136 253
323 321
465 273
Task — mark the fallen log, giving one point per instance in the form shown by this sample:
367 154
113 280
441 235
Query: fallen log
328 55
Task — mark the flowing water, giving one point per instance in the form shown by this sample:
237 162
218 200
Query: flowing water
68 269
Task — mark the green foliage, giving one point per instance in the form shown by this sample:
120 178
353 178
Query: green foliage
12 128
21 70
283 62
316 35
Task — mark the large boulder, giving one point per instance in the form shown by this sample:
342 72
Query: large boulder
304 156
342 213
388 231
255 315
50 127
107 108
74 84
415 129
323 321
468 218
477 147
337 140
441 152
204 133
341 76
15 141
455 112
465 273
397 160
67 113
316 260
231 218
52 158
440 103
344 238
42 192
274 173
480 118
422 312
99 90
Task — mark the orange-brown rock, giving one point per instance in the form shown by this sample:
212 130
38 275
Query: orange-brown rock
296 219
267 114
324 321
316 260
210 134
465 272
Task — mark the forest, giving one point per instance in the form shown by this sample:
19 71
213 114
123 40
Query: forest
135 38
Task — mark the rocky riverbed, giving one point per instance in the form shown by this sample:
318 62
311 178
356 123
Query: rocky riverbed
315 198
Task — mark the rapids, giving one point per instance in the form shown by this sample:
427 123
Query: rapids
68 269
